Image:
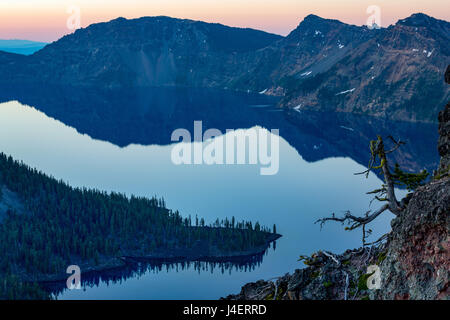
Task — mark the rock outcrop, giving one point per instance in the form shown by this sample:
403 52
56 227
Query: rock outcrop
414 263
396 73
327 277
444 134
417 264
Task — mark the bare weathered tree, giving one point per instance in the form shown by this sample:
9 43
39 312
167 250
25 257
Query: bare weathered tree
386 194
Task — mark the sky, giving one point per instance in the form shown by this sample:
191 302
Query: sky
48 20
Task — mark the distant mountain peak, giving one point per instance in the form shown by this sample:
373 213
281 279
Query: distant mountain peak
418 20
314 19
119 19
323 64
311 17
313 24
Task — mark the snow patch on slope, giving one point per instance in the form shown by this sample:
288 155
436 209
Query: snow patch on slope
346 91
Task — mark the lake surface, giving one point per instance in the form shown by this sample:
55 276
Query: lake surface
119 140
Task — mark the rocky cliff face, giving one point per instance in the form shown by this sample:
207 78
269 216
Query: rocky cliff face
444 134
327 277
311 49
414 263
417 264
149 51
395 73
322 65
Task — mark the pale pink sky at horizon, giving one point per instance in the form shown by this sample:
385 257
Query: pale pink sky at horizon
46 20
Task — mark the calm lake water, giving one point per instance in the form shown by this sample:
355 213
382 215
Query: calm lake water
120 140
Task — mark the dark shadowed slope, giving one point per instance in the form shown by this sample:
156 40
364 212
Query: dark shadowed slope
150 51
322 65
396 73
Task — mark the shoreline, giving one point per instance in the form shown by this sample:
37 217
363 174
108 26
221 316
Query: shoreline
118 263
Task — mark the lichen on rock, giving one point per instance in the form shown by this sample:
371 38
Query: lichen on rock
417 264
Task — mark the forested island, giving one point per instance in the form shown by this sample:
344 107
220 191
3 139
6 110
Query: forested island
46 225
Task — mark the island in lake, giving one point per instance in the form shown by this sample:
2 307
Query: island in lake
48 225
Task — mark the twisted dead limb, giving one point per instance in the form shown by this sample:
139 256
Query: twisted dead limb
387 190
276 291
339 264
276 285
376 242
386 193
347 283
354 221
332 257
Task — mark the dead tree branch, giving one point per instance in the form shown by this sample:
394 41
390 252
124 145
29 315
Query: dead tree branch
332 257
347 283
385 194
354 221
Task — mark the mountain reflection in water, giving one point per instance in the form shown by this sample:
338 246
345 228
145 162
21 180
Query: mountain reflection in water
127 149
